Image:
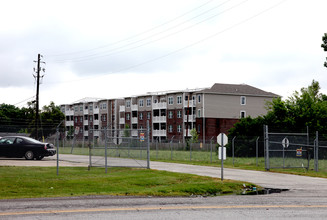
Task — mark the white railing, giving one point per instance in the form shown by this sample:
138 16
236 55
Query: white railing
160 105
134 107
96 111
159 133
86 133
86 122
159 119
134 120
191 118
190 104
122 108
188 132
96 122
69 112
86 111
96 133
69 123
122 121
134 133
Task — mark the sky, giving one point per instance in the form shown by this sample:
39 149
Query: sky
112 49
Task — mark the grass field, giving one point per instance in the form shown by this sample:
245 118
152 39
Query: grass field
34 182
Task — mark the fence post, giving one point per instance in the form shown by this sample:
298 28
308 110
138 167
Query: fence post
256 149
211 149
57 151
171 148
266 147
148 144
316 149
233 142
105 150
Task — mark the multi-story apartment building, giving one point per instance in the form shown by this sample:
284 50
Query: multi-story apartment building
171 114
85 118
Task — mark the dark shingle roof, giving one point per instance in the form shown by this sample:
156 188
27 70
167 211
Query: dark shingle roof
238 89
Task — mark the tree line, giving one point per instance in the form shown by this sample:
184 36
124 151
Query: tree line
22 120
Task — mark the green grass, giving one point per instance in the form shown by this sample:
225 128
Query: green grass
205 158
34 182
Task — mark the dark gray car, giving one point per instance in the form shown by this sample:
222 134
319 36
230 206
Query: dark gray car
17 146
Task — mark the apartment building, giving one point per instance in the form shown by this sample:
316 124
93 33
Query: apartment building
170 114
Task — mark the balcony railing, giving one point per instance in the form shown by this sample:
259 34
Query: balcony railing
122 121
188 132
134 107
96 111
190 103
122 108
134 133
86 122
69 112
191 118
96 133
86 133
159 133
159 119
86 111
96 122
134 120
69 123
160 105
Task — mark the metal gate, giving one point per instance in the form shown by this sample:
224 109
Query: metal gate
120 148
288 150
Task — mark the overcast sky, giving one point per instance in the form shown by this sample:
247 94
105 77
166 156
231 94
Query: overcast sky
111 49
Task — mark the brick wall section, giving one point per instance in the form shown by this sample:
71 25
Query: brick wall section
214 126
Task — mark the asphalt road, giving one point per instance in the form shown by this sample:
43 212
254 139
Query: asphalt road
306 199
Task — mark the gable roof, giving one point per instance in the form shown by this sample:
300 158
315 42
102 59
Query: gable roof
238 89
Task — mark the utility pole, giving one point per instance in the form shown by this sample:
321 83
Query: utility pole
37 71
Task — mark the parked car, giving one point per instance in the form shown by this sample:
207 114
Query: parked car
17 146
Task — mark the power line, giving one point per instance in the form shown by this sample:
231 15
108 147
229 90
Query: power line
185 47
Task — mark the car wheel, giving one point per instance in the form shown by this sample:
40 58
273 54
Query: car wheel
39 157
29 155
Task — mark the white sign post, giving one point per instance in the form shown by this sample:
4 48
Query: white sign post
222 140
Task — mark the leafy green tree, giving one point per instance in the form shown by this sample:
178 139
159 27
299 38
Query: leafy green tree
195 136
324 45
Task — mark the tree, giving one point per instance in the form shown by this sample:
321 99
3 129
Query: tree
195 136
324 45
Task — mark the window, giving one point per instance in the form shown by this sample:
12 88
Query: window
194 99
199 98
141 116
128 116
75 119
76 108
81 119
179 99
149 115
170 114
243 100
170 100
179 128
91 107
141 102
243 114
199 128
104 105
179 114
128 103
199 113
170 128
81 108
148 102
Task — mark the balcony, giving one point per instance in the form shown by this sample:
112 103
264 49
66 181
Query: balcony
160 105
96 122
134 107
134 120
190 103
69 123
191 118
135 133
86 111
86 133
122 121
96 111
161 133
122 108
159 119
69 112
188 132
96 133
86 122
